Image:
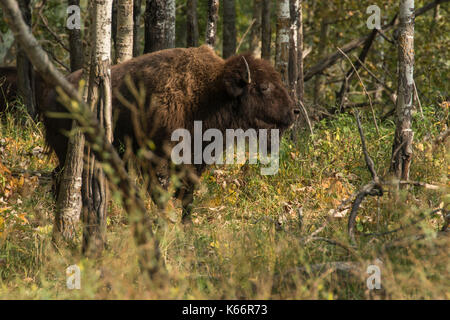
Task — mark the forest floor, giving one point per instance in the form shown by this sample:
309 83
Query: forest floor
253 236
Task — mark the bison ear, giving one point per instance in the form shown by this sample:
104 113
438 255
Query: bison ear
237 78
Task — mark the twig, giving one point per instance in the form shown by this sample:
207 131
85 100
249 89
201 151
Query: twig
245 34
364 88
414 222
442 137
369 161
342 266
57 38
421 184
363 65
332 242
418 100
305 113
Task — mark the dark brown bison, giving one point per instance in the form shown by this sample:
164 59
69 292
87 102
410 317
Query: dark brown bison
187 85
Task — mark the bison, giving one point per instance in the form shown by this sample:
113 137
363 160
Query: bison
182 86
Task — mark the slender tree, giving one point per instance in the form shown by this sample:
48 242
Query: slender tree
255 45
124 44
25 72
403 139
282 44
95 189
136 27
191 24
159 25
266 30
170 23
75 43
229 28
69 197
293 47
211 26
300 47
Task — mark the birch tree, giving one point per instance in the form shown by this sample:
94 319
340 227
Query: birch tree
124 45
211 25
69 198
282 42
403 139
95 190
293 48
300 47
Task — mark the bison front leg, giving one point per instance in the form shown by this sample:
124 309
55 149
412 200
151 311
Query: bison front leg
187 199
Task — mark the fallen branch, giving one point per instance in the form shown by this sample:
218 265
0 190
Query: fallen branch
374 188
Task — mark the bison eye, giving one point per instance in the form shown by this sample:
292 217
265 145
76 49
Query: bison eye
265 87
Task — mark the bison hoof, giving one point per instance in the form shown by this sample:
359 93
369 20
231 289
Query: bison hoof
186 219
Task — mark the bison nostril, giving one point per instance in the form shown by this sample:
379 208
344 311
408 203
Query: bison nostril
296 112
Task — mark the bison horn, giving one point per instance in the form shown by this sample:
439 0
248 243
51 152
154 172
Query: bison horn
248 71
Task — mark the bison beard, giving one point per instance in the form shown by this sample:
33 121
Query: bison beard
183 86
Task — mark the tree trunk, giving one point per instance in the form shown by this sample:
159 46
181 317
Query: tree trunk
114 26
191 24
159 25
229 28
124 44
25 72
95 189
69 197
75 44
293 48
211 26
282 44
266 30
255 41
403 139
300 69
136 28
170 23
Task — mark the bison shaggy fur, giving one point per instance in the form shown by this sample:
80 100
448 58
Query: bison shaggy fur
183 86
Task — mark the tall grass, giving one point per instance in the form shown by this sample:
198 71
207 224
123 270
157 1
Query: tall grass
250 233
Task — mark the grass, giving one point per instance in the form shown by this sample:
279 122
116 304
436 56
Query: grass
247 240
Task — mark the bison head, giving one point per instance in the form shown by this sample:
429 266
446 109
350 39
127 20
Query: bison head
259 93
